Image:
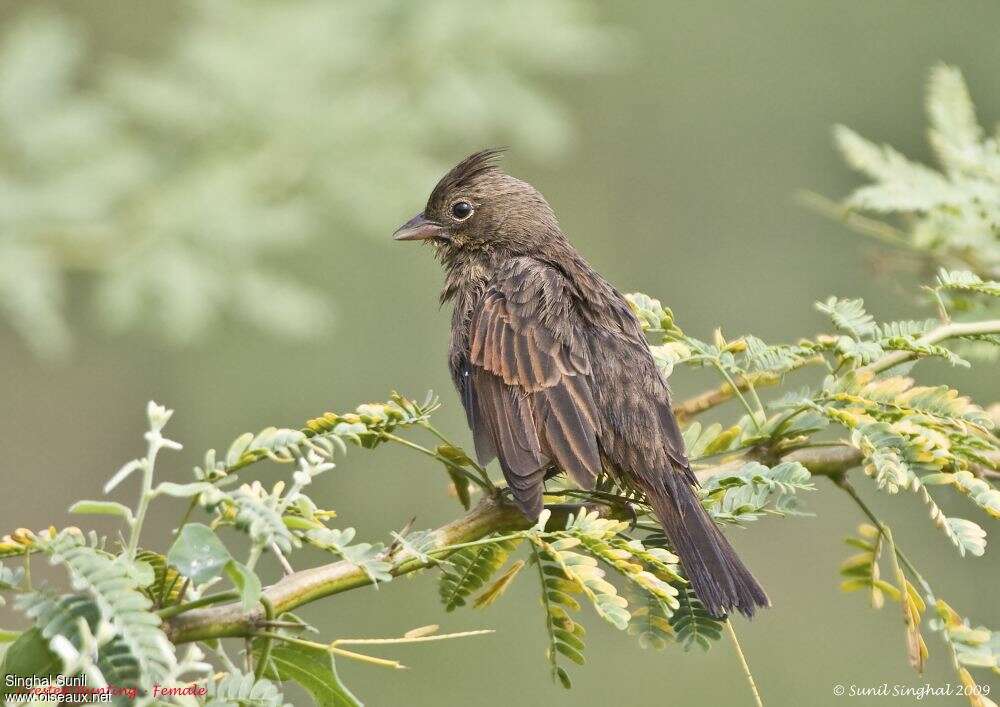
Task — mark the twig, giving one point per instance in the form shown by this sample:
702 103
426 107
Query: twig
731 632
492 515
483 482
686 409
187 514
188 623
177 609
167 588
410 639
934 336
878 230
735 388
285 624
183 590
255 552
547 605
221 654
846 485
475 465
333 649
265 653
282 559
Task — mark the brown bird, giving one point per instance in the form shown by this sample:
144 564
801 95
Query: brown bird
554 371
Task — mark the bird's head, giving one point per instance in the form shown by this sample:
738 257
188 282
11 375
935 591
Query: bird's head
477 208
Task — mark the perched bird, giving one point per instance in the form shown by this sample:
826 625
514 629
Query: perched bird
554 371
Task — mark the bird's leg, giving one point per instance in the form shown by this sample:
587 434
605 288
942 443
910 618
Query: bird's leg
504 494
633 515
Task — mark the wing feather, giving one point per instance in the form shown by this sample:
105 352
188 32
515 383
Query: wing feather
570 436
481 437
530 385
509 421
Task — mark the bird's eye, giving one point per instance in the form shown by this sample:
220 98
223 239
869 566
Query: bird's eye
461 210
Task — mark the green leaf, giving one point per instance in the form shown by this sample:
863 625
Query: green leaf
849 316
246 581
469 570
913 345
123 474
102 508
461 485
236 449
652 314
142 573
723 441
571 653
754 489
237 688
198 553
27 656
311 668
901 185
979 491
261 521
967 536
495 590
692 624
165 589
64 615
458 457
651 623
369 557
965 281
697 439
864 352
111 586
761 357
955 132
10 578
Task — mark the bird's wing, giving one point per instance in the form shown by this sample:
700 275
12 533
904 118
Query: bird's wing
528 390
642 435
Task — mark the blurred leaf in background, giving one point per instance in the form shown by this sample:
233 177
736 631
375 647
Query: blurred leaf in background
951 214
948 216
178 184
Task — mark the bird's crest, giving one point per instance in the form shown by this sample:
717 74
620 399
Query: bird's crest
476 164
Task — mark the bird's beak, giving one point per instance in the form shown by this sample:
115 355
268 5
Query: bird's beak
417 228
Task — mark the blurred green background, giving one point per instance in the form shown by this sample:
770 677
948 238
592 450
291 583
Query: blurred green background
207 224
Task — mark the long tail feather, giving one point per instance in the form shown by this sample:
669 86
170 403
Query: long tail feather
719 578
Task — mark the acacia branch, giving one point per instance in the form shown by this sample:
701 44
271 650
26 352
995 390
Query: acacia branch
494 515
686 409
703 402
490 516
951 330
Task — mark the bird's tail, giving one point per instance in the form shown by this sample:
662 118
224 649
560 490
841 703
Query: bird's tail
719 578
